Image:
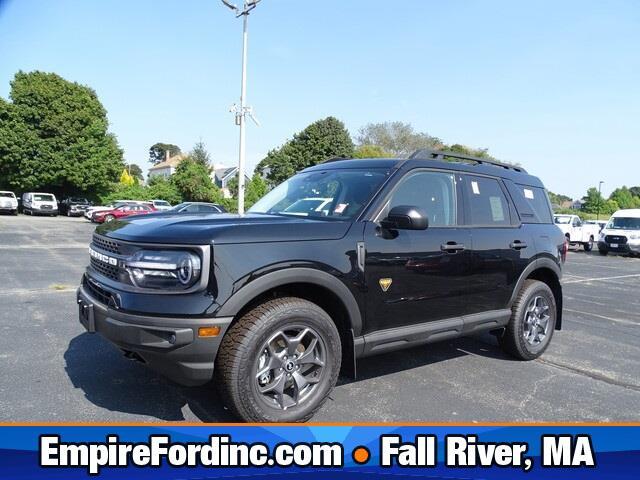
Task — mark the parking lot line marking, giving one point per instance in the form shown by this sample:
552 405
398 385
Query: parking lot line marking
601 279
618 320
29 291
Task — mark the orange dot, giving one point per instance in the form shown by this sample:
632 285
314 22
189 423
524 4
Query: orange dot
361 455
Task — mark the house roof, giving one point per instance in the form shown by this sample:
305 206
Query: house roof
222 173
171 162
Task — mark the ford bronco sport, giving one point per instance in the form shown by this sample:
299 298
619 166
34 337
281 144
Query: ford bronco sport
271 305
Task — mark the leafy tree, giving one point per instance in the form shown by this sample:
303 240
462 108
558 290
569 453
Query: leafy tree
193 181
624 198
635 191
593 201
558 199
120 191
398 138
318 142
255 190
371 151
160 188
135 171
158 152
126 179
54 137
200 154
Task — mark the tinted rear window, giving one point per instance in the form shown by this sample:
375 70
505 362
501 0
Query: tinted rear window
537 200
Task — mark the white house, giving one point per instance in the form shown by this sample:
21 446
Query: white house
167 167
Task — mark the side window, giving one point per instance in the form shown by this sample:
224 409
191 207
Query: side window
532 203
435 192
486 203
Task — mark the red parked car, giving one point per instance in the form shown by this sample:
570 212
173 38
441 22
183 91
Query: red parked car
121 212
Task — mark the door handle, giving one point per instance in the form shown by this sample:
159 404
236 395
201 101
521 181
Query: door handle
518 245
452 247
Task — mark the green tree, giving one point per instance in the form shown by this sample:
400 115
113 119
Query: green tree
255 190
624 198
193 181
558 199
318 142
592 201
158 152
135 171
161 188
371 151
120 191
54 137
635 191
200 154
398 138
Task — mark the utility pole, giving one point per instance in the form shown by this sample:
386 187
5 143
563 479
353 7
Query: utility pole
243 110
599 199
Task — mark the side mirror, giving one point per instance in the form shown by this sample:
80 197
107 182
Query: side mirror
406 217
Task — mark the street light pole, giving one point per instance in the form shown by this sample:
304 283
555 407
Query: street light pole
243 110
599 199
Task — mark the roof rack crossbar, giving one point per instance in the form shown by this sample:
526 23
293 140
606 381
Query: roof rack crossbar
441 154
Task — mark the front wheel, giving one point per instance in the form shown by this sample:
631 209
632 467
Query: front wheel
532 322
279 362
603 252
109 218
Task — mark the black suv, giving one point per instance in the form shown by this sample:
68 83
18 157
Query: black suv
74 206
346 259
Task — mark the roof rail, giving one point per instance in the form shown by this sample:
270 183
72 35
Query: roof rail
428 154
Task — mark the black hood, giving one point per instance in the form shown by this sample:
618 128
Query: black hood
198 229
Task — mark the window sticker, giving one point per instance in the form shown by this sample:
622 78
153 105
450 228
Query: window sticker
475 188
340 207
497 211
528 193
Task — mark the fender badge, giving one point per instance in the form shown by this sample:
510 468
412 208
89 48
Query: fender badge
385 283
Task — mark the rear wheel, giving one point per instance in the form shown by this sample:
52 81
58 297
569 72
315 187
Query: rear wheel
589 245
279 362
533 320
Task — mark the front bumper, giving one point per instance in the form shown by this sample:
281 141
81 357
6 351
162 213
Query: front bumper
621 248
45 211
76 212
169 345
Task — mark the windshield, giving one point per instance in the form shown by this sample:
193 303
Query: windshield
161 203
562 219
624 223
78 200
327 194
180 205
43 197
7 195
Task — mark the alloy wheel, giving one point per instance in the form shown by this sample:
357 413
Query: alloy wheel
290 366
536 321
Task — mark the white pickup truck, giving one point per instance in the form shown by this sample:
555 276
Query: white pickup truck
577 231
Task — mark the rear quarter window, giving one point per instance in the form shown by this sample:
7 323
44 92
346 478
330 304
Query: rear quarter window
532 203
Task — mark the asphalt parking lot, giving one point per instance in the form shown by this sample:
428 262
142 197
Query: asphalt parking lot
51 370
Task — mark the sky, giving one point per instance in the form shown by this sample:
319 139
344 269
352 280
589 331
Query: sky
554 86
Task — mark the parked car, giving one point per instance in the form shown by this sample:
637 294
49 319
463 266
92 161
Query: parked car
622 233
198 207
35 203
578 232
103 208
271 304
8 202
121 212
74 206
161 205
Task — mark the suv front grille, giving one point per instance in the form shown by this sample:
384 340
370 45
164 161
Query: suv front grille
109 271
106 245
615 239
99 293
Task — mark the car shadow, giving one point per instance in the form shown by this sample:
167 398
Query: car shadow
112 382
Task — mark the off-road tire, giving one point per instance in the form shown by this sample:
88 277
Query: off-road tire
512 341
242 345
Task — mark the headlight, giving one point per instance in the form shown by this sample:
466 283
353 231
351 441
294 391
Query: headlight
164 269
634 236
